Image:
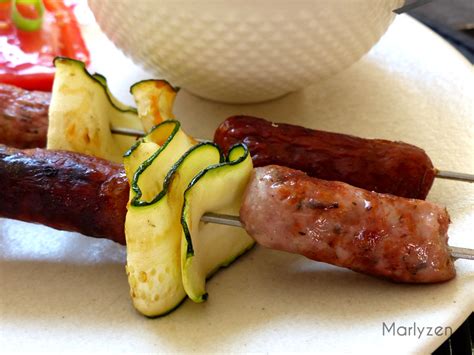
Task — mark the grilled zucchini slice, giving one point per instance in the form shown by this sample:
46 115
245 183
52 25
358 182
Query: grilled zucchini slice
82 110
155 100
159 168
207 247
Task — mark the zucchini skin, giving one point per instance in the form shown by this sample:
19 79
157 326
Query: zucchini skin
64 190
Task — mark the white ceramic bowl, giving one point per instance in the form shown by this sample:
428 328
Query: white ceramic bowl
243 51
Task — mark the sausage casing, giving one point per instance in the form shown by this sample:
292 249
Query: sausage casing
373 164
64 190
400 239
23 117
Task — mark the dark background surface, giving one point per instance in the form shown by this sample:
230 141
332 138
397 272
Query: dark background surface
453 20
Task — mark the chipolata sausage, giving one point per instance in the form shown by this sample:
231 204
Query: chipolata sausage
400 239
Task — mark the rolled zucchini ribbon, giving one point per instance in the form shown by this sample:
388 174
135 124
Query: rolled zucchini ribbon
173 182
83 110
207 247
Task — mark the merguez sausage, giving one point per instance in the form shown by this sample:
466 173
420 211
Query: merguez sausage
64 190
373 164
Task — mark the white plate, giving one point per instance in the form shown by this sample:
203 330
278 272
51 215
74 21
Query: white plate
63 291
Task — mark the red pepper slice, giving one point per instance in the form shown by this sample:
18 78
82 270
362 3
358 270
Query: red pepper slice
26 58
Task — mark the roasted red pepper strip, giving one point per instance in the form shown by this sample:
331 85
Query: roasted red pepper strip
26 58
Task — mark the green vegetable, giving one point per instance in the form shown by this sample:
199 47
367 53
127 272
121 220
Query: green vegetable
160 167
82 110
207 247
154 99
25 23
174 181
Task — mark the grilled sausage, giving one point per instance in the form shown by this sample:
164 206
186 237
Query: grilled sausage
372 164
64 190
378 165
400 239
23 117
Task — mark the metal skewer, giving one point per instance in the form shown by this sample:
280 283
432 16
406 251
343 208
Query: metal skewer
461 253
127 132
451 175
234 221
442 174
224 219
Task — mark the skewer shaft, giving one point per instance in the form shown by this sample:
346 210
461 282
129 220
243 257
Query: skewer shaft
462 253
127 132
451 175
442 174
224 219
234 221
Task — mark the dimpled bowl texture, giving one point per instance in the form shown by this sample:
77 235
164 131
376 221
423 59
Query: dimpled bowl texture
243 51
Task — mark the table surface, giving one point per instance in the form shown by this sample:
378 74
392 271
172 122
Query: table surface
63 291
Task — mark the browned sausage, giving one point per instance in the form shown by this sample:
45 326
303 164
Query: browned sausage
378 165
372 164
400 239
23 117
383 235
64 190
